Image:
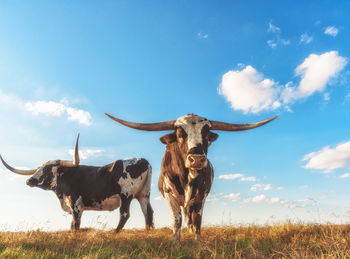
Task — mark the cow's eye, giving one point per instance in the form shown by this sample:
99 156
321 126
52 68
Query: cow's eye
205 132
181 133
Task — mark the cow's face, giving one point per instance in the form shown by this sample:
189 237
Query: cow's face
45 176
193 137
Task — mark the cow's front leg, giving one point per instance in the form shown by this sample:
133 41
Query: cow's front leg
124 211
187 205
175 210
77 211
196 216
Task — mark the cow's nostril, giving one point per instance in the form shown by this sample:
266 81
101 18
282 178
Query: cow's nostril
191 159
203 160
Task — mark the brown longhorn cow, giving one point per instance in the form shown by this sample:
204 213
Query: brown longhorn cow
186 173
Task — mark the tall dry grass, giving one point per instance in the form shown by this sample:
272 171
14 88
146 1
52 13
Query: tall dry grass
278 241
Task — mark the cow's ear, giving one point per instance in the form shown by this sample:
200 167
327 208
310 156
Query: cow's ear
169 138
212 137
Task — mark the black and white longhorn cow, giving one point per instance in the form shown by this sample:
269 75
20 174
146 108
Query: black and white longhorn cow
81 187
186 173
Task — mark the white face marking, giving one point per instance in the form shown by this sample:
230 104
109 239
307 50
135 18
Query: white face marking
54 180
192 125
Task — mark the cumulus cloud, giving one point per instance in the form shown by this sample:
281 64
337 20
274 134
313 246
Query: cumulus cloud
248 179
315 73
277 41
346 175
230 176
249 91
328 159
262 198
258 199
202 35
58 109
276 200
273 28
331 30
305 38
85 153
240 177
214 197
47 108
272 44
232 196
261 187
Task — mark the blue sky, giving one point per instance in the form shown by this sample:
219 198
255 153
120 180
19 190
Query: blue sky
63 64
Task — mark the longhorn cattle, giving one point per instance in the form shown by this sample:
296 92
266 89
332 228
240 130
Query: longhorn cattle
81 187
186 173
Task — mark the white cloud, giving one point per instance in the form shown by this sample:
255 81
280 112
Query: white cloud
230 176
315 73
241 177
248 179
328 159
202 35
331 30
275 200
273 28
232 196
49 108
85 153
305 38
257 199
285 42
326 97
261 187
81 116
249 91
346 175
272 44
58 109
278 41
158 198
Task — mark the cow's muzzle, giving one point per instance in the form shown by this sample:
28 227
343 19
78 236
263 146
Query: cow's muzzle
195 161
32 182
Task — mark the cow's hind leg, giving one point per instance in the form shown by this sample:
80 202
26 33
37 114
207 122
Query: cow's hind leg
77 211
124 211
147 211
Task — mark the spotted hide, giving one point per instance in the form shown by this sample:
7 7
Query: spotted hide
186 173
81 187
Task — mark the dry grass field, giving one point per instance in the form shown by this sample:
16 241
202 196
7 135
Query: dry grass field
278 241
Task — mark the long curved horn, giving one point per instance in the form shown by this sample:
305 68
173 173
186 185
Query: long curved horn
76 160
17 171
217 125
158 126
76 152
